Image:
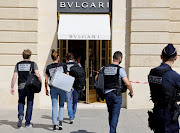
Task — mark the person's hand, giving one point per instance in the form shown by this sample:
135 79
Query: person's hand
131 94
84 88
12 91
47 92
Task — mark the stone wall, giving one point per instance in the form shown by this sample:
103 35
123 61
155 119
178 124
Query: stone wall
120 33
47 40
140 29
154 24
18 31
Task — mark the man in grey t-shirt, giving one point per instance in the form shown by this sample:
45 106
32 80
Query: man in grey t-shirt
22 70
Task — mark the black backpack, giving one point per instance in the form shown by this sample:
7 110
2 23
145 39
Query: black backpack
33 83
80 76
99 84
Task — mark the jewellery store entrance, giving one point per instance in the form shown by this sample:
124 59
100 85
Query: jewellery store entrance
92 55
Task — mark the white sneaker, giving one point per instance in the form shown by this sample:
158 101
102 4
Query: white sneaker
60 125
29 126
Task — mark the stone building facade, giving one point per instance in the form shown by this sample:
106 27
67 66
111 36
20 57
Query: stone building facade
140 29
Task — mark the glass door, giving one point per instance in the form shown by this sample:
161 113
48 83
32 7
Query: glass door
98 55
92 61
92 55
87 71
62 48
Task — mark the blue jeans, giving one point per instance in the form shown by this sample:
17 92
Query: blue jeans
54 98
23 93
165 116
114 106
72 103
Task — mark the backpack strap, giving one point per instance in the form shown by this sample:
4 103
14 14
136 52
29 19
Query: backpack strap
118 70
31 68
103 68
56 68
75 63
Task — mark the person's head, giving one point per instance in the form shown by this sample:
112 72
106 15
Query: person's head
169 53
26 54
54 55
69 56
117 57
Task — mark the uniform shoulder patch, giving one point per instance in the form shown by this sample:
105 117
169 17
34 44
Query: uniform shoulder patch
154 79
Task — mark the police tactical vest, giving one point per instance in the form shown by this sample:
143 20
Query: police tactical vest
111 77
69 65
24 68
160 95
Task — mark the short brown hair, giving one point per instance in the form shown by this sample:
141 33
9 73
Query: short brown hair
69 56
26 54
54 55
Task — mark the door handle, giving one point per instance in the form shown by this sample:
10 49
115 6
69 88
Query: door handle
87 73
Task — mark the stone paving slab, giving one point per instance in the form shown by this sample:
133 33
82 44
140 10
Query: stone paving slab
88 120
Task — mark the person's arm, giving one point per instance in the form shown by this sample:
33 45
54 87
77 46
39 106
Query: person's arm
96 77
13 82
129 86
38 75
37 72
46 85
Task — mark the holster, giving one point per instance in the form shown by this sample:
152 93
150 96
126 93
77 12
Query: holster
117 92
154 121
176 113
151 120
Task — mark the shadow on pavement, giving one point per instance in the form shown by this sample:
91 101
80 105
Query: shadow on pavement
81 131
14 125
66 120
46 117
10 123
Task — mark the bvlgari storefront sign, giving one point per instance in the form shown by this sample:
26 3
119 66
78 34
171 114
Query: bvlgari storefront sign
84 6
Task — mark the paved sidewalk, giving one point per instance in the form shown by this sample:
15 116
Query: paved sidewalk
89 119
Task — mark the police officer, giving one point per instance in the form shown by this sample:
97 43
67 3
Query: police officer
114 75
22 70
164 85
72 97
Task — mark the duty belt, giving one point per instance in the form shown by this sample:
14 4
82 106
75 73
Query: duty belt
163 106
117 92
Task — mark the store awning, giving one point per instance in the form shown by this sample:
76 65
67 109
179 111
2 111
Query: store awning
84 27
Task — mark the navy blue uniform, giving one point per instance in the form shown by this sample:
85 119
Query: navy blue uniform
170 79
